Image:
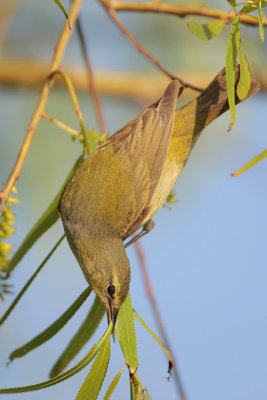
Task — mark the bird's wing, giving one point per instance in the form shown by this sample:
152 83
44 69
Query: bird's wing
145 141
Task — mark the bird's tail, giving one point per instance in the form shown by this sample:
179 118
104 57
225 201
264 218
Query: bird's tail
192 118
209 105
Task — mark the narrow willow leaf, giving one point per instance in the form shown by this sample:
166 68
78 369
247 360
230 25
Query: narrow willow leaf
206 31
138 382
113 384
48 219
232 3
134 391
261 23
244 82
251 6
52 329
140 393
63 10
28 283
68 374
127 334
142 322
231 54
93 382
251 163
82 336
92 142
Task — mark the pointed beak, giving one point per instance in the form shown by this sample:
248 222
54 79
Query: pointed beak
112 314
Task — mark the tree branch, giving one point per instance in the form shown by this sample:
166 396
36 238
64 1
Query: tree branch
108 5
8 10
157 316
31 73
181 11
61 125
91 80
55 63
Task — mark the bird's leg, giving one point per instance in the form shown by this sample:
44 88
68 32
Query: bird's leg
148 226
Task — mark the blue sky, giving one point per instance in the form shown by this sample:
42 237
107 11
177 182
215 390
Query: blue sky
206 257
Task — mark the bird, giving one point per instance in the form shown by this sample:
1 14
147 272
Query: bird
122 184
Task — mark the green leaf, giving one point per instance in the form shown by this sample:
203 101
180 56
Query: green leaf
48 219
68 374
138 392
91 139
63 10
93 382
231 54
244 82
52 329
261 23
248 8
142 322
82 336
127 334
25 287
251 6
206 31
232 3
113 384
251 163
134 391
138 382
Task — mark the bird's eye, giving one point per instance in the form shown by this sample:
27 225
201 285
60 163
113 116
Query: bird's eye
111 290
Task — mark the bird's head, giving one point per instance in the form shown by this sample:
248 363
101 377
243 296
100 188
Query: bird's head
110 279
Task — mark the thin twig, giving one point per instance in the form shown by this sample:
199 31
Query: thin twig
159 321
61 125
8 11
90 74
68 82
114 16
182 11
55 63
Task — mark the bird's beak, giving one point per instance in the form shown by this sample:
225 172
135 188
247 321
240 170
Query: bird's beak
112 314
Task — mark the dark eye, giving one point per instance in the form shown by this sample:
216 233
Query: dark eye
111 290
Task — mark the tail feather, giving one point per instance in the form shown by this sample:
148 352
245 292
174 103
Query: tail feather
213 101
189 122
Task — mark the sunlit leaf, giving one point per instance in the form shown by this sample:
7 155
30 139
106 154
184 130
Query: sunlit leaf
48 219
244 82
134 391
52 329
113 384
58 3
82 336
232 3
28 283
142 322
251 163
231 55
251 6
206 31
127 334
68 374
93 382
261 23
138 382
138 392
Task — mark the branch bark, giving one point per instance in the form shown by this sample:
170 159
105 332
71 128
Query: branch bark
108 5
181 11
158 319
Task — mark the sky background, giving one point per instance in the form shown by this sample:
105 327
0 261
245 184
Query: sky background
206 257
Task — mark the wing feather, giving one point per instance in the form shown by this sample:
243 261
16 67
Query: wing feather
145 141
